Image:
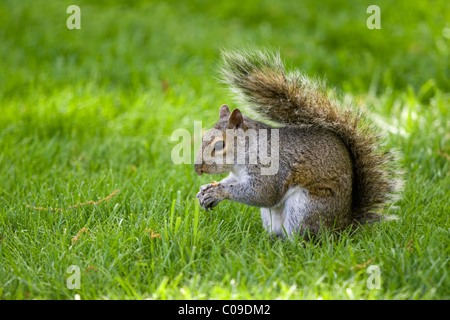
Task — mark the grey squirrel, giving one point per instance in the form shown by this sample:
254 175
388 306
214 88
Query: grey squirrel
331 171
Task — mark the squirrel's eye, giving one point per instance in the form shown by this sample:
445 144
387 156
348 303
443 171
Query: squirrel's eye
219 145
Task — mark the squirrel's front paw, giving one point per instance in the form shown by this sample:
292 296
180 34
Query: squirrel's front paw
210 195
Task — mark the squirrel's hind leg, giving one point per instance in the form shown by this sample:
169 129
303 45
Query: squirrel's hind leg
314 215
299 213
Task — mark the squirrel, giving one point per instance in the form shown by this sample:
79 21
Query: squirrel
331 173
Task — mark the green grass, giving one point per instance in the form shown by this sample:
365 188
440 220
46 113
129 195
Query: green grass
86 112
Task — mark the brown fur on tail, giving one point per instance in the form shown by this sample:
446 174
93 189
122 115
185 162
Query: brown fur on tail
259 78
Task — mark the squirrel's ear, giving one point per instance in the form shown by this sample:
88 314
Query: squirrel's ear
224 111
236 120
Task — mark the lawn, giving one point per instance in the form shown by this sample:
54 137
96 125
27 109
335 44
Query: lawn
86 112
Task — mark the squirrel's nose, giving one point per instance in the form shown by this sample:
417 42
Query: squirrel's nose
198 169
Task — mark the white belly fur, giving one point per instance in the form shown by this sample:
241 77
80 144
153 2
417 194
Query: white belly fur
285 217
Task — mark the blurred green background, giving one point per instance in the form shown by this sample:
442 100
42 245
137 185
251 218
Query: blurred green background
147 41
84 112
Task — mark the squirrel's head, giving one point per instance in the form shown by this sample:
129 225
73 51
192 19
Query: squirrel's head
216 154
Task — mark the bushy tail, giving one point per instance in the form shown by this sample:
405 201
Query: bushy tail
259 78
